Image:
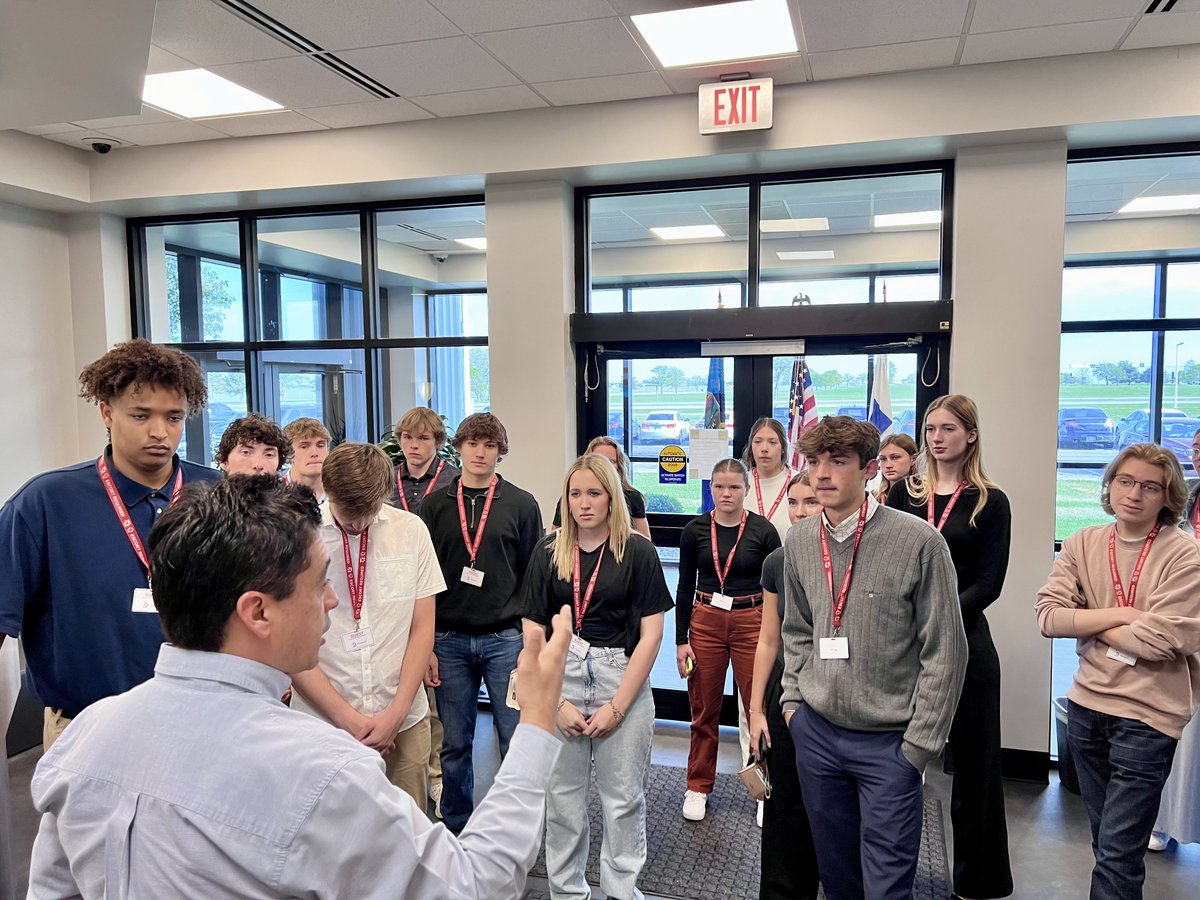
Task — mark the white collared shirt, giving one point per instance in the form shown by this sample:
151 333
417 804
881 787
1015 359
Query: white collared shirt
846 528
401 568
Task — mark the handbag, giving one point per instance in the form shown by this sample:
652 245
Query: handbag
755 775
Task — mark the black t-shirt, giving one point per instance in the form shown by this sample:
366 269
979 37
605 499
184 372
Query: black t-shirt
696 569
417 489
625 592
633 499
979 551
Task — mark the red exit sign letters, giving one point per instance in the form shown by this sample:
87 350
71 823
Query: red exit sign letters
736 106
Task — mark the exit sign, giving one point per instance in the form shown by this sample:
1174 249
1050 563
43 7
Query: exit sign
736 106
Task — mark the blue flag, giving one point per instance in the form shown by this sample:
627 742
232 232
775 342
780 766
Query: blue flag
714 402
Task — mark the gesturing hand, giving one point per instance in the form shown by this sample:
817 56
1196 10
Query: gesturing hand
540 672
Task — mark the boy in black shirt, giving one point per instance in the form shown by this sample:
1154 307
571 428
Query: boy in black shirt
484 531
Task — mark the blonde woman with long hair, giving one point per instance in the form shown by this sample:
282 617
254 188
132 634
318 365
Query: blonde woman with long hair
956 497
613 582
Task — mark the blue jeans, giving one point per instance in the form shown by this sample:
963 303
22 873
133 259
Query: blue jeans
464 661
1122 764
622 765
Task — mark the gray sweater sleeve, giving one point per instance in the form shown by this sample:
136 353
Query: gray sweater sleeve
797 629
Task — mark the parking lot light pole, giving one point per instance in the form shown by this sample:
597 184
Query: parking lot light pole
1177 346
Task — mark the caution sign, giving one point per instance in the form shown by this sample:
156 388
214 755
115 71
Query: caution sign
672 465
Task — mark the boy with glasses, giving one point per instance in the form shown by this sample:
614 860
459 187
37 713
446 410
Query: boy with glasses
1130 594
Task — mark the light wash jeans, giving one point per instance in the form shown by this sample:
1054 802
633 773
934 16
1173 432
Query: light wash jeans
622 763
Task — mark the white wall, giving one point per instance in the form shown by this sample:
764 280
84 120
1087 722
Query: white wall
1008 222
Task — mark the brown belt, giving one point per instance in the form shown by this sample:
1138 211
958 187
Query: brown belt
749 601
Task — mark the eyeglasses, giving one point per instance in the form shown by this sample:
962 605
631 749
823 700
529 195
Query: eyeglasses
1149 488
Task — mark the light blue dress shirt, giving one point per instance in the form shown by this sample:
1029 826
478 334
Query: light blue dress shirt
201 783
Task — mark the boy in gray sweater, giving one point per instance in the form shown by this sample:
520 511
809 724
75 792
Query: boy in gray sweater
874 660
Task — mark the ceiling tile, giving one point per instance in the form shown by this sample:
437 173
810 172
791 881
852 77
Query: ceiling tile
1008 15
1164 30
45 130
934 54
1053 40
295 82
474 17
362 23
431 67
603 89
574 50
149 116
165 133
469 103
783 69
282 122
867 23
375 112
210 36
162 61
71 139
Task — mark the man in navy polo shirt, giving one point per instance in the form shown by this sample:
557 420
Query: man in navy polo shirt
72 541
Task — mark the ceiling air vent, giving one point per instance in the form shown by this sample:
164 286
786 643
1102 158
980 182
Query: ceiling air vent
1160 6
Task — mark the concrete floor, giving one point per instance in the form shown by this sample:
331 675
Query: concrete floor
1048 831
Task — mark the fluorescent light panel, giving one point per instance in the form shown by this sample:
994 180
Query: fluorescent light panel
818 224
804 254
688 232
725 31
198 94
904 220
473 243
1173 203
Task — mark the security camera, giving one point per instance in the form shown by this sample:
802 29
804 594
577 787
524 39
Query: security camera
101 146
440 257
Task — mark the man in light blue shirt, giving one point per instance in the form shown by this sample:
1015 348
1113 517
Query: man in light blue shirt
201 783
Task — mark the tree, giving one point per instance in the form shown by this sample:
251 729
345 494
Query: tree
481 377
781 373
216 299
662 376
675 378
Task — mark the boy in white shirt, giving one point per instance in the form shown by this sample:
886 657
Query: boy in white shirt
369 673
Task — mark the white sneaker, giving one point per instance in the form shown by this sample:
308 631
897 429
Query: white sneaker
435 794
695 804
758 816
1158 841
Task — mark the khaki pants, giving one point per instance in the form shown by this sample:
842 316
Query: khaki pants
408 762
435 739
54 723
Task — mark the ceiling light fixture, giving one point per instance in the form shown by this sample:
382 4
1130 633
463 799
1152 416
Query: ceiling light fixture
1173 203
688 232
718 33
473 243
199 94
804 254
907 220
817 224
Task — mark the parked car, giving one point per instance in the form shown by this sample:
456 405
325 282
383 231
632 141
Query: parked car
906 423
1084 426
616 426
290 414
665 427
1135 427
854 412
1177 437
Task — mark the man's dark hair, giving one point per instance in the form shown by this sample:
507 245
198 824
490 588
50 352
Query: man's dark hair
221 539
142 364
254 429
481 427
842 434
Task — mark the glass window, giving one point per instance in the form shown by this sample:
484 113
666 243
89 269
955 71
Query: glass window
671 238
310 278
1108 292
453 381
225 377
605 301
814 293
908 289
194 282
1183 290
327 385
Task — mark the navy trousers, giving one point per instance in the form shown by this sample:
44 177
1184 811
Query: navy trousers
864 800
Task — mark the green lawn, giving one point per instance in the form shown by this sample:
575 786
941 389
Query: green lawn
1119 400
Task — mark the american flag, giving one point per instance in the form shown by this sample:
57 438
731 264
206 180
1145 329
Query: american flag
802 409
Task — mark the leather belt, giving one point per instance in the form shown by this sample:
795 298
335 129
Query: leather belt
749 601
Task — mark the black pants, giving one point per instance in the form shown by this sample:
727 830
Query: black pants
789 862
981 865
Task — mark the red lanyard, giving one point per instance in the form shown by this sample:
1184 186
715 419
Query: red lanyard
429 490
473 549
1122 600
775 505
722 574
582 608
839 604
118 505
949 506
357 589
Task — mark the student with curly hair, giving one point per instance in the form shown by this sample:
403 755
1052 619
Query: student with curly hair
77 578
253 445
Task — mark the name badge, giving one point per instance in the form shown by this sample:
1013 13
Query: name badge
511 699
579 647
721 601
1120 656
472 576
143 601
354 641
835 648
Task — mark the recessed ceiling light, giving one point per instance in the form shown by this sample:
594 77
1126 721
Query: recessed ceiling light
198 94
473 243
805 254
688 232
817 224
1174 203
724 31
903 220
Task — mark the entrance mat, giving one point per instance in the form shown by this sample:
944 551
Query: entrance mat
718 858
